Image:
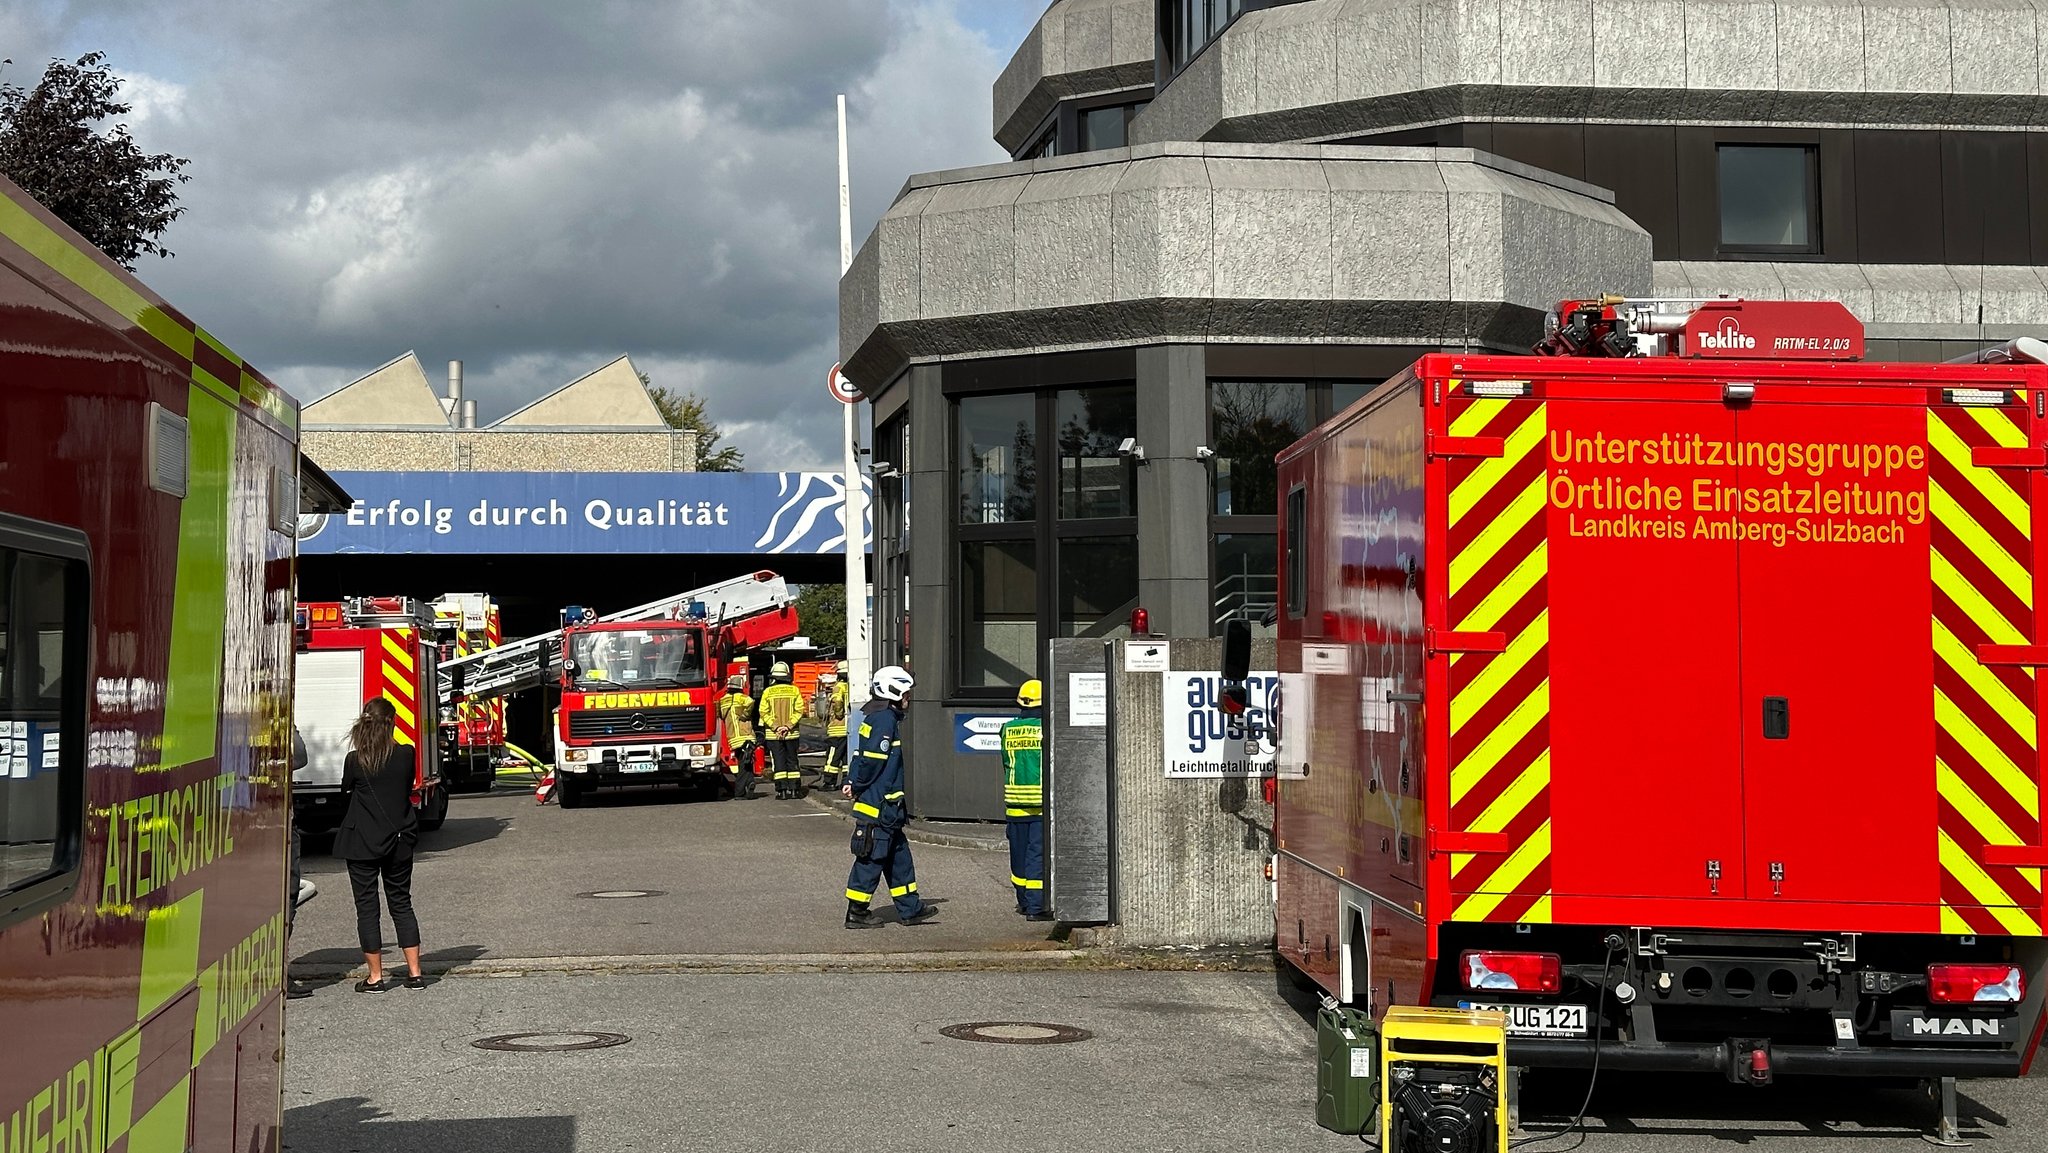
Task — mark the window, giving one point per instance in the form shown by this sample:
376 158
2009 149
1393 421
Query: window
997 459
1094 480
44 631
998 594
1769 198
892 543
1187 26
1098 585
608 658
1250 422
1103 127
1297 558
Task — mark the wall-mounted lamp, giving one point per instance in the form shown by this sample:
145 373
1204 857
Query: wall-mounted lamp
1130 449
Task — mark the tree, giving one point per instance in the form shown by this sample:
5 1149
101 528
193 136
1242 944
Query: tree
686 410
821 613
97 180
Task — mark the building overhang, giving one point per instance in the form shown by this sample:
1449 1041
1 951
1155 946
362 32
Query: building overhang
1228 243
1078 48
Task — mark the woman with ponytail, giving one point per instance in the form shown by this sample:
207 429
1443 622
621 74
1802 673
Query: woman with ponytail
376 838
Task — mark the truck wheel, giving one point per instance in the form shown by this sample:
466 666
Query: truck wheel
568 791
435 813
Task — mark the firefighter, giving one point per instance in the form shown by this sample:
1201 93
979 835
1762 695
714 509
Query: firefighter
736 715
834 700
782 710
875 783
1024 801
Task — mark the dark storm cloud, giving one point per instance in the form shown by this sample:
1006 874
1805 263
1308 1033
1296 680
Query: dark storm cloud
537 186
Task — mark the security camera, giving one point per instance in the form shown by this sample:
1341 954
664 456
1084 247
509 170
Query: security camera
1204 452
1129 447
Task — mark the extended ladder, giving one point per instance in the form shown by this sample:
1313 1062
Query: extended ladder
532 661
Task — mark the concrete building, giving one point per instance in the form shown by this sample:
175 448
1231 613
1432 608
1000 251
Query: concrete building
1227 219
390 419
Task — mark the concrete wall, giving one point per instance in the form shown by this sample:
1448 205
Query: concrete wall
1189 855
1078 48
501 450
1327 69
1895 301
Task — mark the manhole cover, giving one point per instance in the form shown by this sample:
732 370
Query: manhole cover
622 894
550 1042
1016 1033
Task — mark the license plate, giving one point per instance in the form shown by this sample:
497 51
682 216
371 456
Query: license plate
1539 1020
638 767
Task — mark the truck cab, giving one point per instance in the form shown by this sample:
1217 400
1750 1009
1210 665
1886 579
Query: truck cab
639 706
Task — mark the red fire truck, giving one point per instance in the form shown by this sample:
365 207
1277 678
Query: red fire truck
1677 694
472 731
352 652
149 484
638 688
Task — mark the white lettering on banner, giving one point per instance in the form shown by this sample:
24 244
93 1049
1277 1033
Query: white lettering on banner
603 514
1202 740
484 515
398 513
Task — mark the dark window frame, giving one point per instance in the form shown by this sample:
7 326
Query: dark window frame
1058 133
1293 554
71 547
1815 234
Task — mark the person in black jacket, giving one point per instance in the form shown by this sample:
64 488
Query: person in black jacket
376 837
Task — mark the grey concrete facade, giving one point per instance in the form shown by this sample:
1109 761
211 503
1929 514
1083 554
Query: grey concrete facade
372 449
1078 48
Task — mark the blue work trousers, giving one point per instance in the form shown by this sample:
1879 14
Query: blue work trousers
890 859
1027 863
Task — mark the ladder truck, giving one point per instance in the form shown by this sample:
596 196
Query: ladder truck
639 688
472 731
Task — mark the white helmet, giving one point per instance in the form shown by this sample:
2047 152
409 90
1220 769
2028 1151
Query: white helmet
892 682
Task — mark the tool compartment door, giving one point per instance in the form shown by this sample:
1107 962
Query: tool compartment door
1646 789
1838 616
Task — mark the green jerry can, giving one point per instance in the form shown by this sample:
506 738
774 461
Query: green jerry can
1347 1068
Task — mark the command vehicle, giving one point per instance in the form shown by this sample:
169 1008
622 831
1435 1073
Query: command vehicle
472 731
1684 705
352 652
638 689
149 485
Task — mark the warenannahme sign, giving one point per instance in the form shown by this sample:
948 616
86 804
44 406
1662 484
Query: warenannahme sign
582 512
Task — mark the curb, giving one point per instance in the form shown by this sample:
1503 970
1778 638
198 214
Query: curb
916 834
981 960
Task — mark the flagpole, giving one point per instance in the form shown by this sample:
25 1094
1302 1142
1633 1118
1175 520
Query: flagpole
857 650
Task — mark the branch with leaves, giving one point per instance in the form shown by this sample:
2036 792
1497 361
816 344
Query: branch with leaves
686 410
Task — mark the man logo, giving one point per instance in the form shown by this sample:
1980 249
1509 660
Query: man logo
1727 337
1955 1027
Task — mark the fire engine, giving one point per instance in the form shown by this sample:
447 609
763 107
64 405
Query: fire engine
472 731
351 652
639 688
1675 693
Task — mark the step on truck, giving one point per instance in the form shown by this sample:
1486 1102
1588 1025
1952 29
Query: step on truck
1677 694
351 652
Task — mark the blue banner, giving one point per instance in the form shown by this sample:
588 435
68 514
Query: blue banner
584 512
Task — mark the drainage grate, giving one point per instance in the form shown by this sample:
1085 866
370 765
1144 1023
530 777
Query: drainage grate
623 894
550 1042
1016 1033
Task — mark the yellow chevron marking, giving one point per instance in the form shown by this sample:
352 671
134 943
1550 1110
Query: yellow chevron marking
400 681
1509 591
1508 805
1952 922
1539 913
2009 572
2008 775
397 652
1495 536
2003 498
1481 760
2004 432
404 711
1980 816
1518 445
1477 415
1988 894
1979 610
1500 670
1987 686
1512 873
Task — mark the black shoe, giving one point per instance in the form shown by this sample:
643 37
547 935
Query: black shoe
860 919
1038 916
372 986
925 912
297 990
419 982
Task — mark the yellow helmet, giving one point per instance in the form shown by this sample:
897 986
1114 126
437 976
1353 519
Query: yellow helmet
1032 694
779 670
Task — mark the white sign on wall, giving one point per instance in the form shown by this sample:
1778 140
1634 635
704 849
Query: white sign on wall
1145 656
1087 700
1201 740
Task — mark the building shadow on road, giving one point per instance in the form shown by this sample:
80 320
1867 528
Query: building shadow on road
322 968
354 1123
460 831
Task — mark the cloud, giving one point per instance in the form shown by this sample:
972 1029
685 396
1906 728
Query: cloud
536 187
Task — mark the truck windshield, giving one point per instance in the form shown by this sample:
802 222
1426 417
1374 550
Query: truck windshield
639 657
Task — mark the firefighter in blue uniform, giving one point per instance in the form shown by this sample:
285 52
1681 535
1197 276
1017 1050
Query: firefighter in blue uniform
880 850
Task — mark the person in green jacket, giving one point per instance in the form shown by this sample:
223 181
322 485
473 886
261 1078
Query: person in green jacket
1024 801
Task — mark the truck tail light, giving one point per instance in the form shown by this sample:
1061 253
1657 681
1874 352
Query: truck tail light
1519 972
1975 984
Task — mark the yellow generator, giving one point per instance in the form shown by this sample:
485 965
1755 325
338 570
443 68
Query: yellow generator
1443 1081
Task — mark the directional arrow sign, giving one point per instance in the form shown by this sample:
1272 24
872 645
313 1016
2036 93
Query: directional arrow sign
982 734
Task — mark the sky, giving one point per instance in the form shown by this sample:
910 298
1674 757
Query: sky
533 186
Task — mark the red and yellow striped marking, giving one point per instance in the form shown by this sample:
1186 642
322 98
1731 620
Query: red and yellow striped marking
1985 761
1500 702
401 682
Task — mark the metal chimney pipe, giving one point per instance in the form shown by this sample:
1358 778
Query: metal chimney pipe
455 382
468 414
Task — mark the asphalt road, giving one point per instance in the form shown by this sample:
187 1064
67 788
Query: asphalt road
722 1060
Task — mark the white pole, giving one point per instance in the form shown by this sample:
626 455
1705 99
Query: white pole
857 654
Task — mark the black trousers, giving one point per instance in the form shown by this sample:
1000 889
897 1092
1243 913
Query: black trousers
788 771
395 868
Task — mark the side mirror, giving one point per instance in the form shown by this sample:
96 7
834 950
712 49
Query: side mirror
1237 664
